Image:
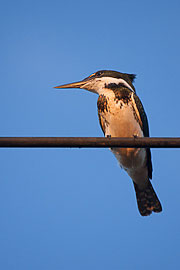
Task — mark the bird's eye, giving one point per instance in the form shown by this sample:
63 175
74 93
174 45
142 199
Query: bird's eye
99 73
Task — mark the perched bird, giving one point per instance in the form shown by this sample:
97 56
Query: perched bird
121 114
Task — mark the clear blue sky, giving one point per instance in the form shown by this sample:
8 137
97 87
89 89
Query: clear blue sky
76 209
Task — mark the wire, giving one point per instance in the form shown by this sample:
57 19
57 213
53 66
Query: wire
88 142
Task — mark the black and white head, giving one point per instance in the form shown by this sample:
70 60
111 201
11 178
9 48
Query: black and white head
103 79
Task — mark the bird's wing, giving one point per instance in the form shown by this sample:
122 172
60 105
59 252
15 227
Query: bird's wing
142 118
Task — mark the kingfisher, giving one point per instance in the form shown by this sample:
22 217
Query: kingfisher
121 114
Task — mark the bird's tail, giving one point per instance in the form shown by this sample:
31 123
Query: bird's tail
147 200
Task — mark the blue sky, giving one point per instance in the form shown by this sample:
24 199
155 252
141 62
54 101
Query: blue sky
75 208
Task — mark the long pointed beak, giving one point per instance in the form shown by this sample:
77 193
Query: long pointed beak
72 85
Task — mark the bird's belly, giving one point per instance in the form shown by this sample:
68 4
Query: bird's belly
121 122
130 158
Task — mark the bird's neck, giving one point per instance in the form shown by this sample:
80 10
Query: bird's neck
105 91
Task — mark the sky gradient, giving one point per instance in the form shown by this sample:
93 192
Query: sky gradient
75 208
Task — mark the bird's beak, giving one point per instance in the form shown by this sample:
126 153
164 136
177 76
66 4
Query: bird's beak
72 85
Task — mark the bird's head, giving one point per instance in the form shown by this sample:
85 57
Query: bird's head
103 79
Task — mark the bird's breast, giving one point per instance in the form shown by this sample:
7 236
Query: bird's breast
119 118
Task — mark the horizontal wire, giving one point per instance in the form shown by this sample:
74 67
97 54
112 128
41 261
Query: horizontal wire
88 142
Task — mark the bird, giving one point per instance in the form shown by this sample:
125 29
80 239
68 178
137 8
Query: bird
121 114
